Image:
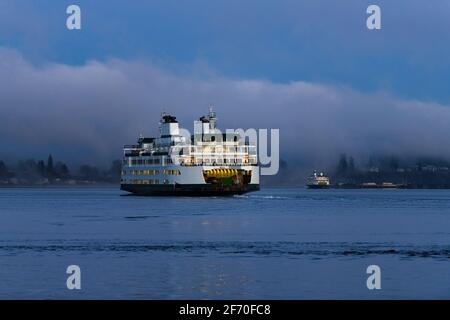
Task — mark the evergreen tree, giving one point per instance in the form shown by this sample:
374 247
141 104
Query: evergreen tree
50 168
3 169
61 170
64 170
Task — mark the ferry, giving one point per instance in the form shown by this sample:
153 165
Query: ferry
208 163
318 181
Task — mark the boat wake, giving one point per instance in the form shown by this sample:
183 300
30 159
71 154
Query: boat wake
245 196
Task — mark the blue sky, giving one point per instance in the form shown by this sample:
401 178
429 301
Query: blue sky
280 41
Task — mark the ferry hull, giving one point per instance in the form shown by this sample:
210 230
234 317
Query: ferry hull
195 190
310 186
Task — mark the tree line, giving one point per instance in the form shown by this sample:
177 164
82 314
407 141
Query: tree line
421 172
51 171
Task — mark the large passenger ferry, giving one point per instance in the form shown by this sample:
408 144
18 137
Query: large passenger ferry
207 162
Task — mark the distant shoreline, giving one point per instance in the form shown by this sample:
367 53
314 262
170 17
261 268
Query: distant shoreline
117 185
50 186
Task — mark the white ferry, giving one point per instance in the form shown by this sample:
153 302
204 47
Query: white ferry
318 181
209 163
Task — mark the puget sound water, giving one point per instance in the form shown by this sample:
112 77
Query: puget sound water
273 244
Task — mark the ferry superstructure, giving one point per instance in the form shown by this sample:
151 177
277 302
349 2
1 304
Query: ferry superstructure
206 164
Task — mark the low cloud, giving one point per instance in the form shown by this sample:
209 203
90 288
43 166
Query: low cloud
86 113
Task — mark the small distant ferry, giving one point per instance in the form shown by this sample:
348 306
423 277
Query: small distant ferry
318 181
209 163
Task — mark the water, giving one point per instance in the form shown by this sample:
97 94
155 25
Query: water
272 244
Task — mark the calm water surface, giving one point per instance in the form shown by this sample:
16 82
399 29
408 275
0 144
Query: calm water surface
272 244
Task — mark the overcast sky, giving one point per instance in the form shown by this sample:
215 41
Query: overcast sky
309 68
